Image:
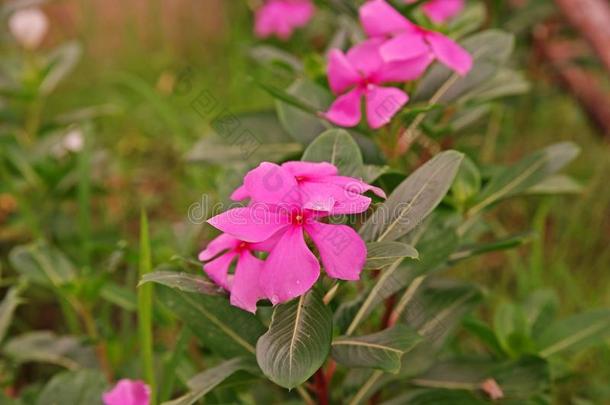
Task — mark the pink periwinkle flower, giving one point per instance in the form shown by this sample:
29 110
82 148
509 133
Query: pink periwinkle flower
408 40
441 11
361 73
281 213
282 17
128 392
317 186
243 285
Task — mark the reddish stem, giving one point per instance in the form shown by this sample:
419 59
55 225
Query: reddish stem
321 384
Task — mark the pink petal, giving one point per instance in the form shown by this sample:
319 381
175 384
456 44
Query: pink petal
346 110
217 245
299 12
255 223
240 193
382 103
341 201
218 269
310 170
355 185
291 269
407 70
365 57
341 73
270 183
128 392
246 289
281 17
266 245
342 250
440 11
407 45
450 53
378 18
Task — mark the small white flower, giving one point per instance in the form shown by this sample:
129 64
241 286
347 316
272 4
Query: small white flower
73 141
29 26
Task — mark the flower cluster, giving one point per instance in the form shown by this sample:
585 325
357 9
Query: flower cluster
397 51
282 17
287 203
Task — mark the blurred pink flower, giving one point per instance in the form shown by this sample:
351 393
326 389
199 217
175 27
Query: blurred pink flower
243 284
408 40
318 187
128 392
282 17
28 26
277 216
441 11
361 73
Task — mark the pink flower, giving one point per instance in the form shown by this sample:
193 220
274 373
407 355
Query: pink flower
317 186
361 73
282 17
29 26
441 11
279 216
243 285
128 392
408 40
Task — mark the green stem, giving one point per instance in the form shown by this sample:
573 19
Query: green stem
145 302
169 371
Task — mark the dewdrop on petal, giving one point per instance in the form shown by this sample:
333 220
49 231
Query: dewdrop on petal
29 26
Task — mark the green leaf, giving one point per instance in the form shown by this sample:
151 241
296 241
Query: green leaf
7 309
269 55
575 333
182 281
518 379
505 83
437 397
509 242
207 380
490 51
557 184
303 124
383 254
74 388
523 378
437 242
540 309
42 264
370 173
510 325
250 137
46 347
467 182
413 199
119 295
298 110
439 306
336 146
297 342
527 173
224 329
382 350
62 61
